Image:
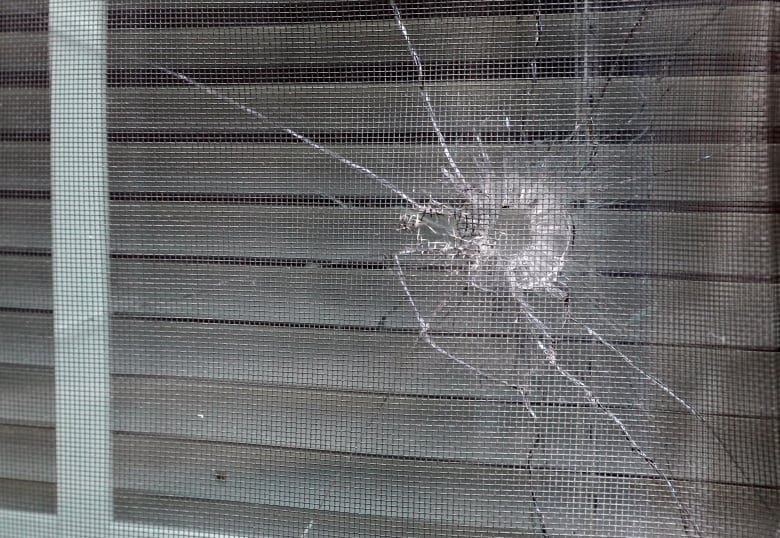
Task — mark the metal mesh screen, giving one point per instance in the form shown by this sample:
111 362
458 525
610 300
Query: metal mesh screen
411 268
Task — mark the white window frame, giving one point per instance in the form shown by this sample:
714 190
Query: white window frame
81 279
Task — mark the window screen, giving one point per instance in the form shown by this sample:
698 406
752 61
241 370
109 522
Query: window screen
389 268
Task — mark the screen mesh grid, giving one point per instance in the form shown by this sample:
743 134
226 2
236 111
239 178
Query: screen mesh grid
411 268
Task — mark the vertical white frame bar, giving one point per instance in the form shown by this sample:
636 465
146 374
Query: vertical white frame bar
80 256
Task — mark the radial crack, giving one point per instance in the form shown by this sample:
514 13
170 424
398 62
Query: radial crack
549 352
426 337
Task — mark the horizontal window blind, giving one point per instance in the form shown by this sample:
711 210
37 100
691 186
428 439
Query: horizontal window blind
396 269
